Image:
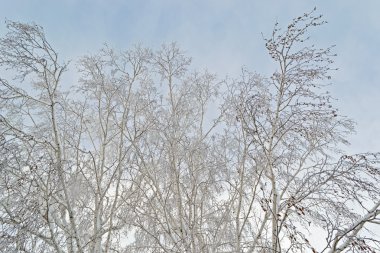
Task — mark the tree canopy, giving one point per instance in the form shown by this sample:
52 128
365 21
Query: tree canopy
146 154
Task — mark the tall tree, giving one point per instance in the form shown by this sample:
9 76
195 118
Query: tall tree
289 135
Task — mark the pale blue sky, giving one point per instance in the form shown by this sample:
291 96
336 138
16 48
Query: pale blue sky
223 36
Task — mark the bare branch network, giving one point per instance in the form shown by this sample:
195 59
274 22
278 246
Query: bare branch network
144 154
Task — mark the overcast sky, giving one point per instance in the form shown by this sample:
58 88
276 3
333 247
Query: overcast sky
222 36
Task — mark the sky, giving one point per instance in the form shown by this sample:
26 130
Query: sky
223 36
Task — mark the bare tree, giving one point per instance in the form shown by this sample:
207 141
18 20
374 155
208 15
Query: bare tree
180 173
136 157
289 134
68 176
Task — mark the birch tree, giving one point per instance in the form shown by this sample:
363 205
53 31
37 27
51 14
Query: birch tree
289 135
178 211
145 153
67 168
